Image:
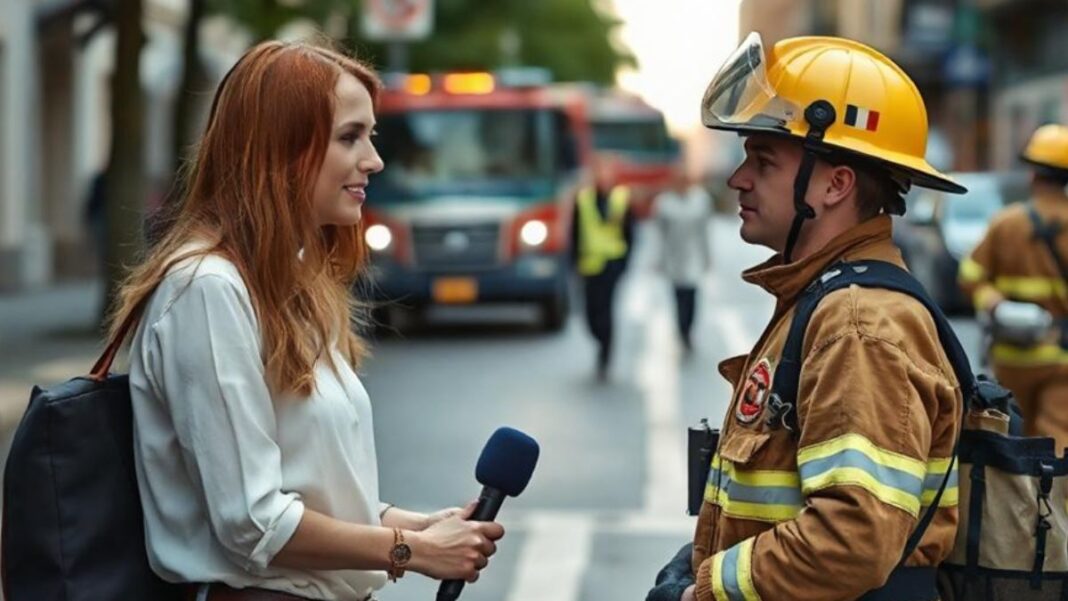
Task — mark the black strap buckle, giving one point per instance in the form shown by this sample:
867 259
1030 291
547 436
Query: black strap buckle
781 414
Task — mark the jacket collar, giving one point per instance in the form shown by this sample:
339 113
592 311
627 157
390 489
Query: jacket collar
869 240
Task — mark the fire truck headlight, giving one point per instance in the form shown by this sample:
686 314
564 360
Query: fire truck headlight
534 233
378 237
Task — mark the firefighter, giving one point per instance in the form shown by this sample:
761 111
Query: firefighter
1018 287
601 240
821 507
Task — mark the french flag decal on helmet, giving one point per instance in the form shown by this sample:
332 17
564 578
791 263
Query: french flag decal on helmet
861 118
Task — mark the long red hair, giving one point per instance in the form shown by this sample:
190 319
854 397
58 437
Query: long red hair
248 194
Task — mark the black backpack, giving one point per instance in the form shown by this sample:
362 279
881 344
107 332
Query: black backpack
72 521
1027 471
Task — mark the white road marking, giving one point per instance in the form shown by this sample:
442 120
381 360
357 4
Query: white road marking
554 557
657 378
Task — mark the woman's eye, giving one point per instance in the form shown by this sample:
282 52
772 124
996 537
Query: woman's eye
348 138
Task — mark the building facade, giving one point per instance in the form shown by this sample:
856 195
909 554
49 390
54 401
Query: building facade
56 60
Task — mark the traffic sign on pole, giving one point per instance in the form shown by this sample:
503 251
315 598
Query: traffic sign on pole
397 20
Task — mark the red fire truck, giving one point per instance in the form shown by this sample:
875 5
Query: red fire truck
475 202
634 137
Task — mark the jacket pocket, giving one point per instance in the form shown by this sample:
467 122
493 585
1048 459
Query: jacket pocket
740 445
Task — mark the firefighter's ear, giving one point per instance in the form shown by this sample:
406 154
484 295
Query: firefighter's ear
839 183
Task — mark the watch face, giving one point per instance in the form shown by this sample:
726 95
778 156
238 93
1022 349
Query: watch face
401 553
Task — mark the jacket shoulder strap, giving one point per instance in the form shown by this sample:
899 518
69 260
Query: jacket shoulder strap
1047 232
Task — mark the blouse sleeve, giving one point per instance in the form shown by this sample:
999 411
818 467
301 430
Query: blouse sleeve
205 354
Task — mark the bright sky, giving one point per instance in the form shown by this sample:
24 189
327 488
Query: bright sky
680 45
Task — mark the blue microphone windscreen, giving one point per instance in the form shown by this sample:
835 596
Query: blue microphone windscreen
507 461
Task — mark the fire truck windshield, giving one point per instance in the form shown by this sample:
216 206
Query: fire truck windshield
437 153
638 139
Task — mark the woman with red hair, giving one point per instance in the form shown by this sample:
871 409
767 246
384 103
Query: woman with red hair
254 444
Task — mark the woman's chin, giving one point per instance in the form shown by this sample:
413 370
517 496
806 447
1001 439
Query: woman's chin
348 218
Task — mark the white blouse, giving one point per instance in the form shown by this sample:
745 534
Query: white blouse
224 467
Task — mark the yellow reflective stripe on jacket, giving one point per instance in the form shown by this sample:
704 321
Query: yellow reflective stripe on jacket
732 574
1007 354
971 271
936 471
763 495
601 239
852 459
1027 288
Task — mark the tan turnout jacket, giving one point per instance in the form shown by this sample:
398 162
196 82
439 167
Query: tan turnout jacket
825 516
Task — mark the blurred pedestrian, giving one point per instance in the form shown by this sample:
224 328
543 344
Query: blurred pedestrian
1017 278
254 444
602 235
831 447
682 214
96 216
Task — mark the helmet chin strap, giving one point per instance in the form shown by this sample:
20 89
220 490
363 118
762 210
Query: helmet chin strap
819 115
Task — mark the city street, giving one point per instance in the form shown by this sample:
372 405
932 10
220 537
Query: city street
605 507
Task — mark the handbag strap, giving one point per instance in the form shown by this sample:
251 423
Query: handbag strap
103 363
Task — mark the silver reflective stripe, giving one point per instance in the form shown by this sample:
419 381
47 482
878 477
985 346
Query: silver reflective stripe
884 474
730 574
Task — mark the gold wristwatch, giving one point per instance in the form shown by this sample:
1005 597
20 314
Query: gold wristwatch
399 555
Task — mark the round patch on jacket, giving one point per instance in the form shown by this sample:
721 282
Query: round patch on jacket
755 393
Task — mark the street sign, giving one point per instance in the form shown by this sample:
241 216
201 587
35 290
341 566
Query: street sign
397 20
966 65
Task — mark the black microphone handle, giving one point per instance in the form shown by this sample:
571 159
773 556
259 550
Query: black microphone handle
489 503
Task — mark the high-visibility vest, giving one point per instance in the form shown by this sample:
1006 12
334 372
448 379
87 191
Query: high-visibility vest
601 239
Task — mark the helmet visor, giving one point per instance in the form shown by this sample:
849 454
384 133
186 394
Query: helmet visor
740 95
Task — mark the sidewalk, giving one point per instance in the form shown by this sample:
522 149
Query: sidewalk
46 336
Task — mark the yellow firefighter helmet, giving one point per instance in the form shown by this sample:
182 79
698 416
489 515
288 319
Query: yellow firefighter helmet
1048 148
868 107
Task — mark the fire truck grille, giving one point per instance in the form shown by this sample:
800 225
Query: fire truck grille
469 246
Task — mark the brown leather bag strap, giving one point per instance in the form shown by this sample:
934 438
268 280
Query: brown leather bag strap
103 364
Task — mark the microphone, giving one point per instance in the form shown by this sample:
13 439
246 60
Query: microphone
504 469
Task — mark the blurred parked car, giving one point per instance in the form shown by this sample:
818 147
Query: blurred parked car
940 229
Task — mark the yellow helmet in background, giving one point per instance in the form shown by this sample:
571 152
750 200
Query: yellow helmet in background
837 94
1048 148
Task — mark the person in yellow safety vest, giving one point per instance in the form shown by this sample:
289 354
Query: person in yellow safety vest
1012 272
602 237
821 507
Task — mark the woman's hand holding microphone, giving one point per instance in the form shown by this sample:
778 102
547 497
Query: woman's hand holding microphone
452 547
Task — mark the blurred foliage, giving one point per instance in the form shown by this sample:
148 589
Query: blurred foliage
264 18
572 38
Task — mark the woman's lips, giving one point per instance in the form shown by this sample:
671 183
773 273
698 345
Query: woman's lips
356 192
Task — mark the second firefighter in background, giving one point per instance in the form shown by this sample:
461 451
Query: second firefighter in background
1018 287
